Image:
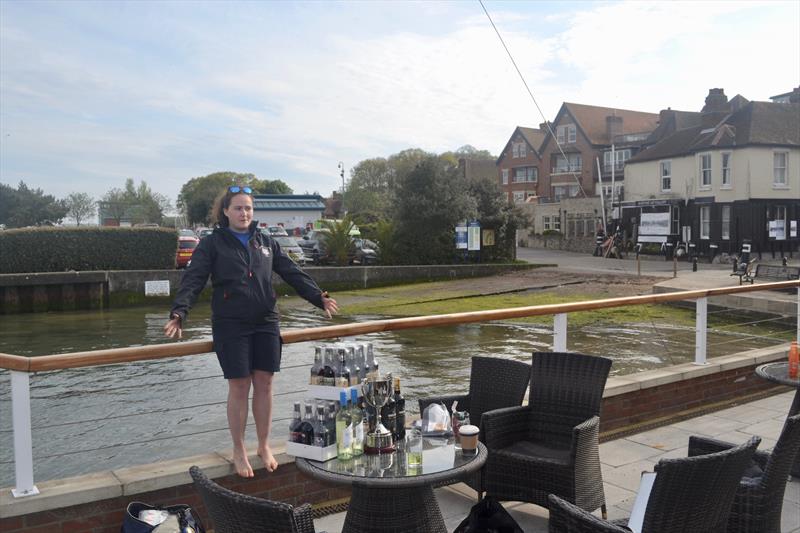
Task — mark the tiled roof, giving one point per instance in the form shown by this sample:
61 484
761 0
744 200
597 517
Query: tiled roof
282 202
759 123
592 120
534 136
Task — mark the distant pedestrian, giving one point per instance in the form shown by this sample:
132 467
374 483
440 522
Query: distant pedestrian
245 323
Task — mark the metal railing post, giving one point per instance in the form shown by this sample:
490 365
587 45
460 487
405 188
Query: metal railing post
701 326
560 332
23 443
797 335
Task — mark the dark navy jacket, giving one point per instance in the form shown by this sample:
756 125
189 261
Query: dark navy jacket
243 298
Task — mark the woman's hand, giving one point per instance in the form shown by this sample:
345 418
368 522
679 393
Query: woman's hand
329 304
173 328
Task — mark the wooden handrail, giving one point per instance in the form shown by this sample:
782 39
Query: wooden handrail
162 351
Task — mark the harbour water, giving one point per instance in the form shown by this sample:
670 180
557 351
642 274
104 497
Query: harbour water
91 419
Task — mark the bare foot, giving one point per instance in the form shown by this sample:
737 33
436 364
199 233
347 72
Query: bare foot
242 465
269 461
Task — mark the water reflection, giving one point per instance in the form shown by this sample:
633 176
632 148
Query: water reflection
90 419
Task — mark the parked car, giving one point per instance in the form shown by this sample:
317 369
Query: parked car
202 232
186 246
366 252
277 230
187 233
292 249
313 245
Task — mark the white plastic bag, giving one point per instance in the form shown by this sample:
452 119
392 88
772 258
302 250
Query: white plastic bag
436 420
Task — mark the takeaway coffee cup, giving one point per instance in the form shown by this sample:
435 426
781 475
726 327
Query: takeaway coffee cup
469 439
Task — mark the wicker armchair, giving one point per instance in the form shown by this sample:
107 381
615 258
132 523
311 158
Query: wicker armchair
550 446
232 512
689 495
493 383
758 503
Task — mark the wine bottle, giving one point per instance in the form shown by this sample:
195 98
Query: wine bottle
343 371
399 431
329 369
316 368
321 435
294 425
357 417
307 427
344 429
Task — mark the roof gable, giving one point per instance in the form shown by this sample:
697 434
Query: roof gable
533 137
592 120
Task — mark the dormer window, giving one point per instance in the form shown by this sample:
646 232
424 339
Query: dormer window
519 150
566 134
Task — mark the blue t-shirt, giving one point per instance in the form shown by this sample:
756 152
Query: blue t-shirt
243 238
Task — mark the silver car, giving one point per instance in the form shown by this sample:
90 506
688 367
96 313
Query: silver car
292 249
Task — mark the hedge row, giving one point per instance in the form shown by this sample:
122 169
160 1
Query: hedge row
55 249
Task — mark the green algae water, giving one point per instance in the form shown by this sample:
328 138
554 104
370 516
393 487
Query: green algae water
113 416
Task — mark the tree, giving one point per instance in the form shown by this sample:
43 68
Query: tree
430 199
138 204
80 206
198 194
338 240
367 195
24 206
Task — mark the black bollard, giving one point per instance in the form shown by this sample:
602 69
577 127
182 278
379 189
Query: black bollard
694 263
735 265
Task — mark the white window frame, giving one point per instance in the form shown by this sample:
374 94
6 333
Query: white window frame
557 223
705 222
519 196
782 182
704 171
727 176
546 223
520 175
566 134
514 150
505 176
726 222
661 166
523 150
533 174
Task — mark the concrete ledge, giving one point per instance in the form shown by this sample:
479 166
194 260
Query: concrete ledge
60 493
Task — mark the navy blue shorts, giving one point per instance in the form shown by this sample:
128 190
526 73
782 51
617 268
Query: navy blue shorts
240 355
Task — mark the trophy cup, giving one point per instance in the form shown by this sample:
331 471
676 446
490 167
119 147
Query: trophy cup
376 391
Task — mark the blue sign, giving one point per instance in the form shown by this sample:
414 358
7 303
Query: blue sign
461 236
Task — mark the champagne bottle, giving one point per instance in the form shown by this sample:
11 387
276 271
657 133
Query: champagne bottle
344 429
343 371
321 435
294 425
307 427
399 431
328 370
316 368
357 416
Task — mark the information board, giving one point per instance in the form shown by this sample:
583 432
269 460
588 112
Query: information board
473 236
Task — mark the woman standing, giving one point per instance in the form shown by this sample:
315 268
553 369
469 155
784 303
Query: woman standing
245 323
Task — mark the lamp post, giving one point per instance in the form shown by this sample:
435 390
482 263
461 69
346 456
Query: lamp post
341 173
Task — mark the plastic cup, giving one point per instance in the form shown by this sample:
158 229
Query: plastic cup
469 439
413 447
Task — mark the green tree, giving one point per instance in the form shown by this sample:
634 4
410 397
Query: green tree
138 204
430 199
24 206
80 206
495 213
338 240
198 194
367 195
386 237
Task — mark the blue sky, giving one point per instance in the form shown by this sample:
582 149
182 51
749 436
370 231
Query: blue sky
92 93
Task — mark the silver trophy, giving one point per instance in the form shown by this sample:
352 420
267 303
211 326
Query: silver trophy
376 391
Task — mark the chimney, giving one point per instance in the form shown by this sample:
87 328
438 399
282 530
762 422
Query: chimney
715 109
613 127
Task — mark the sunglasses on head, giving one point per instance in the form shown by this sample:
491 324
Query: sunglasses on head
236 189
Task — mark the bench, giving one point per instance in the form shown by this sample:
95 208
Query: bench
772 273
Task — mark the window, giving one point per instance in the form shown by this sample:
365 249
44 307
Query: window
705 170
620 156
572 163
519 175
676 219
566 133
546 223
557 223
726 222
505 176
533 174
518 150
705 222
570 228
666 176
519 197
564 191
779 161
726 170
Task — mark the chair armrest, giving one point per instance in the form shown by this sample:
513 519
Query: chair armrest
704 445
463 402
503 427
304 518
585 435
565 516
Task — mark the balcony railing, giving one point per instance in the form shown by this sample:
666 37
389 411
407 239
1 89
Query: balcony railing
564 169
618 167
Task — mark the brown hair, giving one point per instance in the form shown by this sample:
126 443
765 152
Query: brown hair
223 201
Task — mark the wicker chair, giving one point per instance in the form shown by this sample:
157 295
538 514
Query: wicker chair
550 446
758 503
493 383
232 512
689 495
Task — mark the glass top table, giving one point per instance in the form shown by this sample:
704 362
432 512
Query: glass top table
389 494
779 373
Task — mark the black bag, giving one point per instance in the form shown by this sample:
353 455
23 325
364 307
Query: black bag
181 520
488 516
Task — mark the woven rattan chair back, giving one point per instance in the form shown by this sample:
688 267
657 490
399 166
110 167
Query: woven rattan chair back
495 383
782 457
232 512
695 494
566 389
568 518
